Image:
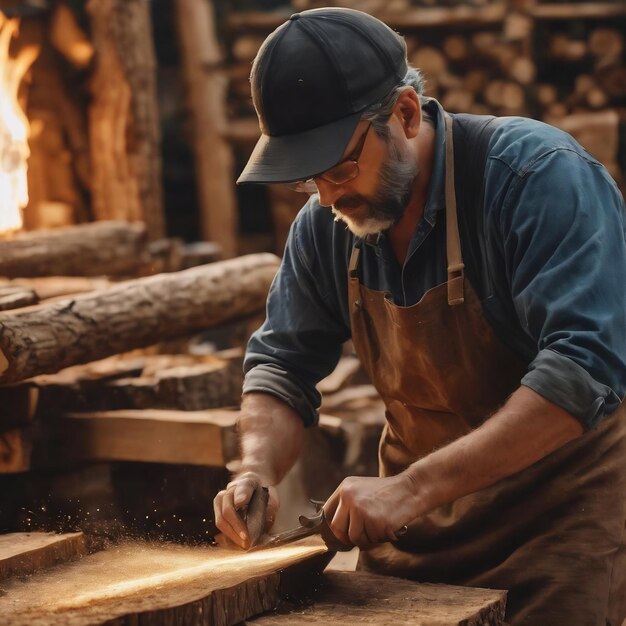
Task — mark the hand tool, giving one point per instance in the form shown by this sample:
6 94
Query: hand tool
256 514
316 524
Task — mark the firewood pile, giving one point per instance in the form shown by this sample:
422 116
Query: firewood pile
563 63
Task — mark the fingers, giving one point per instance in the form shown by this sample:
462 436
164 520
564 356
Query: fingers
340 523
229 502
228 520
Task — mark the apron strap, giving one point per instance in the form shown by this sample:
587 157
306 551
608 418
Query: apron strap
453 242
354 262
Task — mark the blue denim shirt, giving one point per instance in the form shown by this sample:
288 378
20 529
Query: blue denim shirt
555 239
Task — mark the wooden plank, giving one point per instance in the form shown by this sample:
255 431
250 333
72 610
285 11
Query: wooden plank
577 10
22 554
206 89
364 598
137 313
140 583
155 436
461 15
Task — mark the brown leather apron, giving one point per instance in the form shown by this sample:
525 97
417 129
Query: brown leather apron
552 535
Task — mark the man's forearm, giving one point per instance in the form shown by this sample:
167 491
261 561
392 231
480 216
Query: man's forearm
271 434
527 428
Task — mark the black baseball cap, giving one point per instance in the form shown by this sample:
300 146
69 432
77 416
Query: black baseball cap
311 80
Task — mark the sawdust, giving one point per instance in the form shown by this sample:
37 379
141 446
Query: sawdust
137 576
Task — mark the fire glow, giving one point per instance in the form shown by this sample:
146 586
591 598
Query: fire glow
14 129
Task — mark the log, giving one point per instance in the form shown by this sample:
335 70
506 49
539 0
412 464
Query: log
150 584
606 43
364 598
48 287
23 554
206 92
183 382
133 314
523 70
13 297
100 248
124 119
206 438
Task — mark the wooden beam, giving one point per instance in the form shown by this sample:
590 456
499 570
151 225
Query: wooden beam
134 314
22 554
364 598
206 92
150 584
205 438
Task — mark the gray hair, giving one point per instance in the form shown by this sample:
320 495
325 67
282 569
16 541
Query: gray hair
378 114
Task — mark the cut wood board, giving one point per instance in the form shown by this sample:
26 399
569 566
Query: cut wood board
24 553
364 598
140 583
155 436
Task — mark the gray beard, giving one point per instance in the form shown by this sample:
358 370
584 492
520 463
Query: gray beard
388 204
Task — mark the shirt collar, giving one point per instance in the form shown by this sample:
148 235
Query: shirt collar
434 198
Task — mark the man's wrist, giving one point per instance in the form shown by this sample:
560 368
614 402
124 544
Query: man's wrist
419 487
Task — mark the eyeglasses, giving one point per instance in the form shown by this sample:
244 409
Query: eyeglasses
344 171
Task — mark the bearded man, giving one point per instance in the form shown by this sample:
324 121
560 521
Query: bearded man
478 265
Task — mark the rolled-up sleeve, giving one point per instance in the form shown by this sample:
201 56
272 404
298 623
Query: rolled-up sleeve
300 341
563 234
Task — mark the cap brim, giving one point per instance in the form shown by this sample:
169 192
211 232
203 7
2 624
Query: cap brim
288 158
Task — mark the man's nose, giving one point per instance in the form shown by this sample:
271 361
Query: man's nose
328 192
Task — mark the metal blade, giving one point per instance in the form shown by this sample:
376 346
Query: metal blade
256 514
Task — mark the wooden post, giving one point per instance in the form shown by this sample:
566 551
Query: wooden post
206 91
124 131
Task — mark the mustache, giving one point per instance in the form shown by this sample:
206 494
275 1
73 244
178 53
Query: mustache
349 202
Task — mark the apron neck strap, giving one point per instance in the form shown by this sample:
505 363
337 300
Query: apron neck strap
453 241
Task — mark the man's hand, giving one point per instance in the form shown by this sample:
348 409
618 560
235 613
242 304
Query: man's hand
271 435
367 511
230 502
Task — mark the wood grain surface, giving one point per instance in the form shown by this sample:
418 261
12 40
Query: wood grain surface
143 583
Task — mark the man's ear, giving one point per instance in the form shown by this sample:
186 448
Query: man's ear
409 112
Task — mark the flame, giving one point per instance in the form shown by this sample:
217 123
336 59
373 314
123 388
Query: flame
14 128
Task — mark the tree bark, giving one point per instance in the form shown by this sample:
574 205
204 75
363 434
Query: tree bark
131 315
100 248
124 130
